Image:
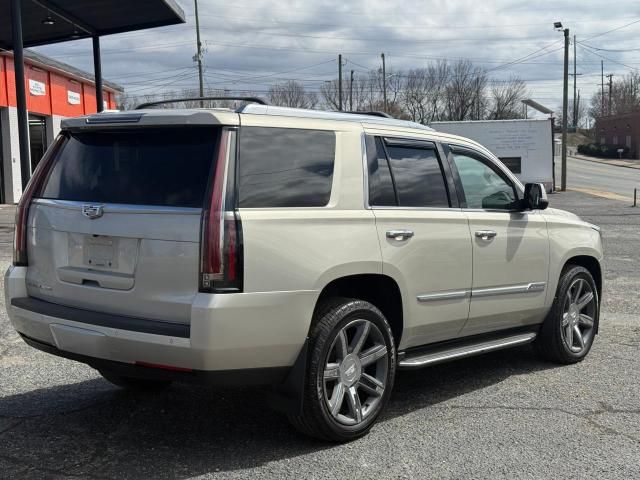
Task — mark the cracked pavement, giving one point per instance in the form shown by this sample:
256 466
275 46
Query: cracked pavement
501 415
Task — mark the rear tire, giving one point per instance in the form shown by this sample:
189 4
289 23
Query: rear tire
568 332
135 384
350 372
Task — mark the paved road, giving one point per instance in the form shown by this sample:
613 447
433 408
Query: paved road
600 177
503 415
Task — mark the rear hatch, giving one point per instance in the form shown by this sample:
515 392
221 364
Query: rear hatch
116 225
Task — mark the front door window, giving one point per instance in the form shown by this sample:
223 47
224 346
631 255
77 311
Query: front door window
484 188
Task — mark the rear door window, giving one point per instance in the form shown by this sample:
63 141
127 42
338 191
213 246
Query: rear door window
418 176
163 167
285 167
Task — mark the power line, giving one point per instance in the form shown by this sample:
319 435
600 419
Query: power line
611 49
612 30
521 59
587 49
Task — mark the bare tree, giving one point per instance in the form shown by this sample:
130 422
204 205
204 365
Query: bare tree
625 97
415 97
291 94
329 91
505 99
465 90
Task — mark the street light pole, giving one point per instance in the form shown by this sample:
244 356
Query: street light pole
565 105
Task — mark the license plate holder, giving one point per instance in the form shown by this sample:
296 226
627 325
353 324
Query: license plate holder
100 251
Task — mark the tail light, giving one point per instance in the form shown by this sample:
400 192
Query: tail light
22 211
221 231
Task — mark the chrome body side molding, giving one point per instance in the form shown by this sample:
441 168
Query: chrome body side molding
431 358
451 295
510 290
533 287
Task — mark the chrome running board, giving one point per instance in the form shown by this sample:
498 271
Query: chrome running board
422 359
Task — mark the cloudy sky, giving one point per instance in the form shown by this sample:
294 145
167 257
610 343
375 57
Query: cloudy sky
252 44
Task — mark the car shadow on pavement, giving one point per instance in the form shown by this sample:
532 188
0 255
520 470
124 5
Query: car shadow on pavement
91 429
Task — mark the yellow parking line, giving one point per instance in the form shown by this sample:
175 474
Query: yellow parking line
601 193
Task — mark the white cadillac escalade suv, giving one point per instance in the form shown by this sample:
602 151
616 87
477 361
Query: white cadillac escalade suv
314 252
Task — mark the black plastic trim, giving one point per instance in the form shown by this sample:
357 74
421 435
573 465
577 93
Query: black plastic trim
230 378
143 325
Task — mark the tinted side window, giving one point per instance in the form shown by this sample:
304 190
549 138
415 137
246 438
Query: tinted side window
418 177
381 192
483 186
282 167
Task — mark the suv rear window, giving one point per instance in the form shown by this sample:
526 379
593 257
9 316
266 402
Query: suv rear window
164 167
285 167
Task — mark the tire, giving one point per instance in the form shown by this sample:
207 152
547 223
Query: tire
558 340
135 384
350 371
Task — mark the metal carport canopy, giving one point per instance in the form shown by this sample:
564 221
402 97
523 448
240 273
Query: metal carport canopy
22 25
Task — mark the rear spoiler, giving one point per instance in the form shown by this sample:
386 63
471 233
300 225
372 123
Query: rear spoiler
144 118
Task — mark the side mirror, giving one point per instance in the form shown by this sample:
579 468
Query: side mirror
535 197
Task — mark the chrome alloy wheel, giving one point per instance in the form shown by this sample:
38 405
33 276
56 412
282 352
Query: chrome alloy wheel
578 316
355 372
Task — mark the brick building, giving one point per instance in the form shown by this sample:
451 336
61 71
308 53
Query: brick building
54 91
622 130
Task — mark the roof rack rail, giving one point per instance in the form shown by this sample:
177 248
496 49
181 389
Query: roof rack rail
191 99
372 113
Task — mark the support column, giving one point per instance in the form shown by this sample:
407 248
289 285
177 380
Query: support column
97 69
21 98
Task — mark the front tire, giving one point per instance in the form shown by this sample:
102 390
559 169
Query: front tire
568 332
350 373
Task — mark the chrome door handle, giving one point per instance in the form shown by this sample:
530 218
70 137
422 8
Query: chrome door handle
485 234
400 235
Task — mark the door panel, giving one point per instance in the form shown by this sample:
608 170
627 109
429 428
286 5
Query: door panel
510 247
509 270
432 267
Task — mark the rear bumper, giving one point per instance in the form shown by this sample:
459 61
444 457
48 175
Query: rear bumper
257 336
240 377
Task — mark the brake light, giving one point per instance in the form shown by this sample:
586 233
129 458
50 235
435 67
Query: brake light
22 211
221 246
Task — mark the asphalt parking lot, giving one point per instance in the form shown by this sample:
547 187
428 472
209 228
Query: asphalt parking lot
503 415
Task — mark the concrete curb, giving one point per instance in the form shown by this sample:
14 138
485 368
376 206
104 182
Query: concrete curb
604 162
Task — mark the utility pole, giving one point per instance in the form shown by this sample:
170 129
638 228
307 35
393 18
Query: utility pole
351 92
610 77
199 55
578 106
340 82
602 91
565 106
575 75
384 83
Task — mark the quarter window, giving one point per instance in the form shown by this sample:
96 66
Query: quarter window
418 177
483 186
283 167
381 191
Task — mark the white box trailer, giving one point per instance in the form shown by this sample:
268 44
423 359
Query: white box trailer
524 146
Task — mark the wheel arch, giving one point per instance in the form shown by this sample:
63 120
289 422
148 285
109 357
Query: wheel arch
376 288
590 263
